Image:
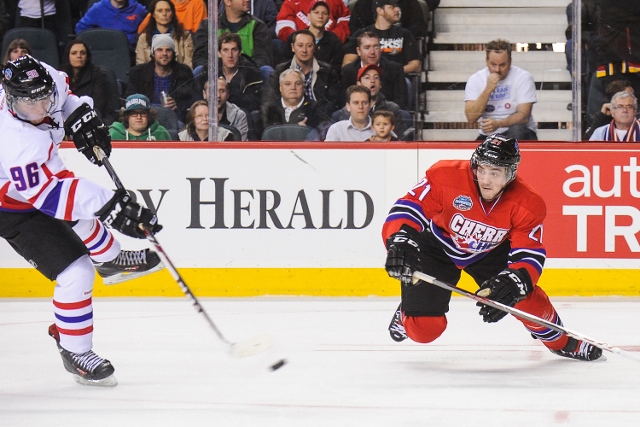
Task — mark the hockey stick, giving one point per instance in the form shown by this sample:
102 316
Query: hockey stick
417 276
245 348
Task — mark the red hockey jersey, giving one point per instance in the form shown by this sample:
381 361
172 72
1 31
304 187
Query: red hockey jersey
448 203
293 17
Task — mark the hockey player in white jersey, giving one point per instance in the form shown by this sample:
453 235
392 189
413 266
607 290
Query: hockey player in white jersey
54 219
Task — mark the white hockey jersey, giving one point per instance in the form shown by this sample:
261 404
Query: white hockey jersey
32 175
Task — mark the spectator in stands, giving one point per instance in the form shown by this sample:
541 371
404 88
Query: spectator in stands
369 77
197 128
293 106
189 14
163 74
396 43
85 79
138 122
244 82
256 40
264 10
383 125
358 126
328 46
16 49
163 20
603 116
393 82
616 42
121 15
321 81
293 17
411 15
501 96
624 127
228 112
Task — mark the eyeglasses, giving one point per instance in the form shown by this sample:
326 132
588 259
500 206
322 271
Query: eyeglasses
624 107
140 114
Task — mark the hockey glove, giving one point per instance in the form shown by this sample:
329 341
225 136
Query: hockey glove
509 287
126 216
88 131
403 255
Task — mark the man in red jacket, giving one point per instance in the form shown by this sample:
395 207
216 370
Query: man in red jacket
293 17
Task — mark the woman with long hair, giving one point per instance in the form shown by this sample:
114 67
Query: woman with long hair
16 49
90 80
163 20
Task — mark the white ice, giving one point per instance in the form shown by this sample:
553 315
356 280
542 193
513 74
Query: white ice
342 370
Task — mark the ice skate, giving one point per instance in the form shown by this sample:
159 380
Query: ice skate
129 265
87 368
580 350
396 328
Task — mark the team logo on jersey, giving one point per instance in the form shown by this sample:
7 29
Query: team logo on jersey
463 203
474 236
8 74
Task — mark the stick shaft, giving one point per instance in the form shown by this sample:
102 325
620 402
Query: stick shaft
523 315
163 255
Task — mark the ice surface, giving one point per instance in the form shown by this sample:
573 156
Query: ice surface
342 370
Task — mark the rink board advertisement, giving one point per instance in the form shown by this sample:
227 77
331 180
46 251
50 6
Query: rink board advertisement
305 219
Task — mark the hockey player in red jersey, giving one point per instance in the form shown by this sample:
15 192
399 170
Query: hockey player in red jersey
52 218
476 216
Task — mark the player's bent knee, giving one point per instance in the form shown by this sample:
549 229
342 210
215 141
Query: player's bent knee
424 329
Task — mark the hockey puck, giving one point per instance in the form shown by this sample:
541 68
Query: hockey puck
279 364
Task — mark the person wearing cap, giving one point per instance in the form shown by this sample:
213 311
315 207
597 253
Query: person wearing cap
293 14
120 15
393 82
163 20
164 74
412 16
396 43
358 126
138 122
322 84
369 77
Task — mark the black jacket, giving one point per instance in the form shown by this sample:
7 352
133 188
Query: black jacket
394 85
182 89
273 113
245 87
326 88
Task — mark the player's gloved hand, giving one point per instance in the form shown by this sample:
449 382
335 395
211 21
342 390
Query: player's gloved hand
509 287
126 216
88 131
403 255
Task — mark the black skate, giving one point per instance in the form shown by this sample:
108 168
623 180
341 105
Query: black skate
87 368
396 328
129 265
580 350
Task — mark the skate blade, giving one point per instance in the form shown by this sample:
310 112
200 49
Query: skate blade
252 346
110 381
125 276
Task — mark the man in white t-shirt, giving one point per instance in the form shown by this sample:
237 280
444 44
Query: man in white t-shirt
500 96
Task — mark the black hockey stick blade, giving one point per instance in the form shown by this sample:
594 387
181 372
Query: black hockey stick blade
417 276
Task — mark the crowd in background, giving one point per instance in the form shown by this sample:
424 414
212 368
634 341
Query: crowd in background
296 62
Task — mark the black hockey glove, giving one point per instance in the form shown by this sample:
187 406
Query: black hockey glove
403 255
88 131
126 216
509 287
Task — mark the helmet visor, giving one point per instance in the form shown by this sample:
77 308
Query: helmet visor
33 109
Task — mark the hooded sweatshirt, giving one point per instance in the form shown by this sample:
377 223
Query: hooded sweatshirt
104 15
155 132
